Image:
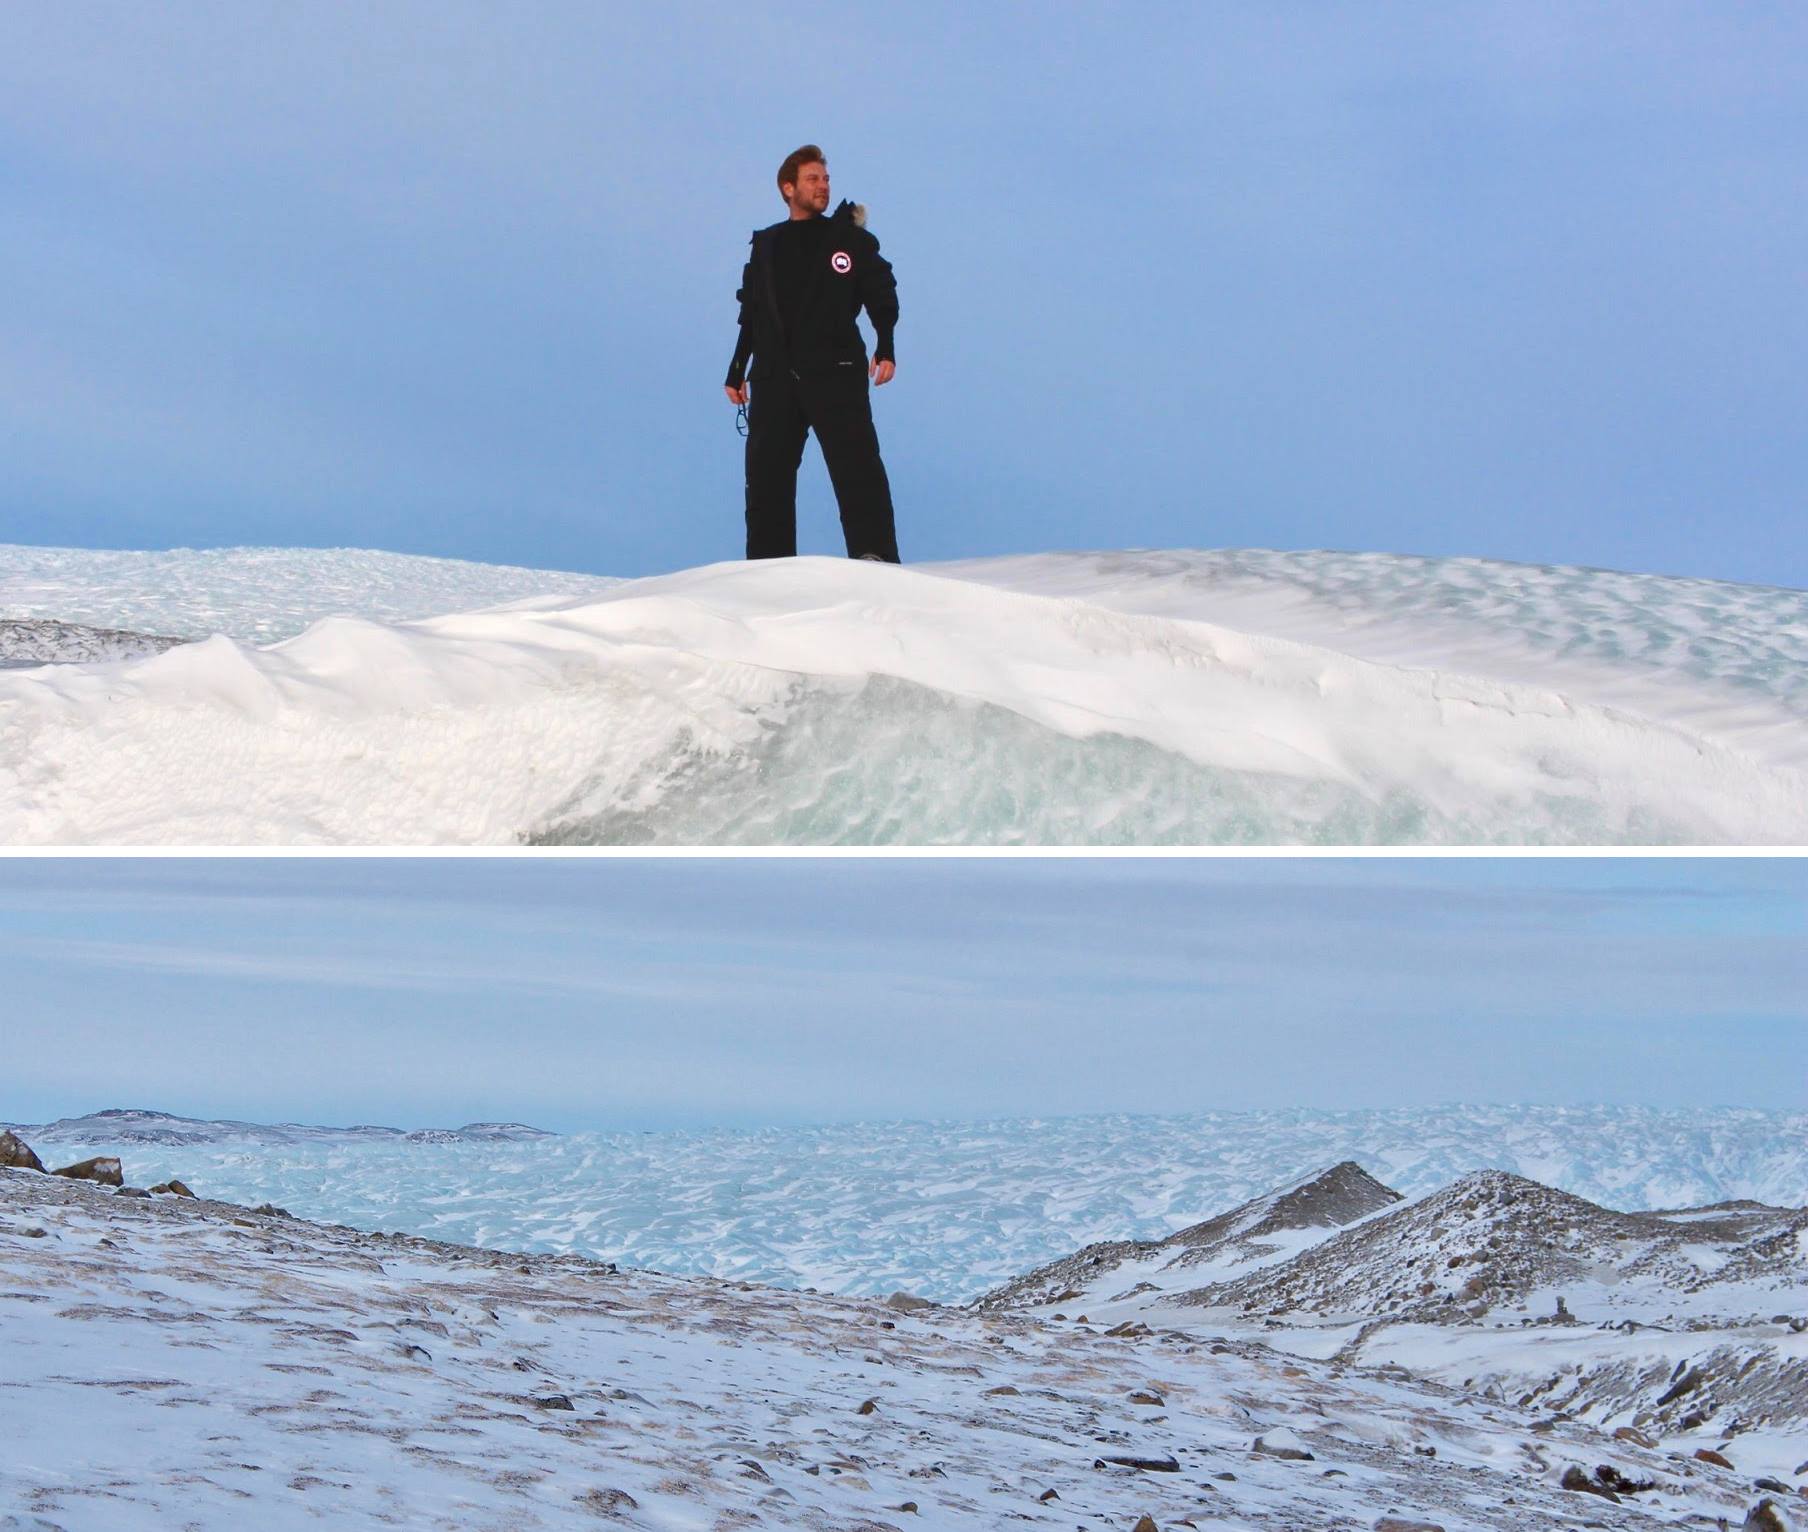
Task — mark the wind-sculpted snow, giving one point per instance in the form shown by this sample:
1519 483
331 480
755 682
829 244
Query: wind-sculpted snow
950 1210
1178 698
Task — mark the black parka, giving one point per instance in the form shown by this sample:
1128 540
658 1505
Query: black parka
849 275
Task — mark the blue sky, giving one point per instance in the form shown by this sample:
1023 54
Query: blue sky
1518 280
648 993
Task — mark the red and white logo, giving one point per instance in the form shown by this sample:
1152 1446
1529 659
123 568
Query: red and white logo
842 262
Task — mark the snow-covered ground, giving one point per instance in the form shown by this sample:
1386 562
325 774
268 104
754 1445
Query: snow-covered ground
1062 698
166 1362
947 1210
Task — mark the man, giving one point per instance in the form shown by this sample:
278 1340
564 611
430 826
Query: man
805 283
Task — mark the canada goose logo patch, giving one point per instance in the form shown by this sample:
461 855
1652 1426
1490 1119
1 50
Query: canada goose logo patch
842 262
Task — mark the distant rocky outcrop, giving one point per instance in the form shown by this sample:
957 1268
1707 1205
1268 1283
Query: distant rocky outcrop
1253 1234
137 1125
44 641
1494 1238
16 1154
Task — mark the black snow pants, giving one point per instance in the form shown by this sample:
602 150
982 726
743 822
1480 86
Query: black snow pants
836 403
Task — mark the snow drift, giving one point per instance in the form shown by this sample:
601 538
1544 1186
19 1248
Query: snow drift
1058 699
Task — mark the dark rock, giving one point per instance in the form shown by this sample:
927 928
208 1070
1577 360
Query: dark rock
554 1402
1145 1396
1005 1390
103 1168
1576 1479
1145 1524
16 1154
1708 1455
1395 1524
1145 1465
1764 1517
132 1191
271 1210
35 1233
1775 1486
1611 1478
1636 1437
1047 1495
1688 1383
172 1189
868 1407
607 1502
907 1303
908 1505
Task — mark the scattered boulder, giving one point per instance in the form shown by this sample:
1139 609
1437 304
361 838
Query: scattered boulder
1005 1390
103 1168
1147 1396
1611 1478
15 1153
907 1303
1691 1380
133 1191
607 1502
1633 1435
1145 1523
1282 1443
1764 1517
271 1210
1047 1495
1144 1465
171 1189
1708 1455
868 1407
1395 1524
1578 1480
554 1402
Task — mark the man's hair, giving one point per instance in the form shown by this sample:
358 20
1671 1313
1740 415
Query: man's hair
796 159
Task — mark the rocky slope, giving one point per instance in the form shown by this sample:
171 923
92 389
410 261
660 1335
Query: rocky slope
1687 1325
177 1362
1255 1234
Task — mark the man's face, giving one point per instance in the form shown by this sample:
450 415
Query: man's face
810 193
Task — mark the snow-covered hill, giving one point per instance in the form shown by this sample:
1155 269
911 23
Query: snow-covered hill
1063 698
167 1362
1688 1326
1258 1233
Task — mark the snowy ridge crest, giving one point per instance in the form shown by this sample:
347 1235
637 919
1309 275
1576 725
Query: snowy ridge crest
1231 697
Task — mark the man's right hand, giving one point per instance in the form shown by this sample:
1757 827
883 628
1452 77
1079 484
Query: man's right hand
735 395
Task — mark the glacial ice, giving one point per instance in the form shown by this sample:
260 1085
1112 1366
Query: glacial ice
948 1210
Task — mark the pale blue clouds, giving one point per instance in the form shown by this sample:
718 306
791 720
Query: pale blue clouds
1509 279
646 993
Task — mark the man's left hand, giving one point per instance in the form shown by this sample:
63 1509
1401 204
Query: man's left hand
882 372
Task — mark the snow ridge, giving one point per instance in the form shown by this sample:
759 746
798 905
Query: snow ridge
1062 699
